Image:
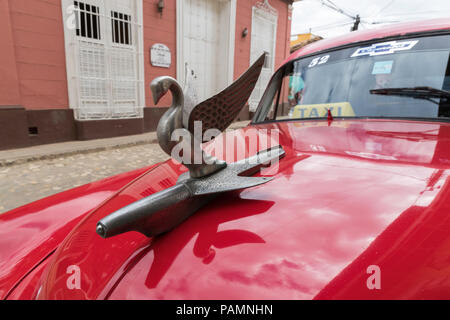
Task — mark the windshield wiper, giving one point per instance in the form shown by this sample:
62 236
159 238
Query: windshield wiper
426 93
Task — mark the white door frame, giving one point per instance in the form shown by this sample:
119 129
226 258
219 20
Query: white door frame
263 10
269 14
228 46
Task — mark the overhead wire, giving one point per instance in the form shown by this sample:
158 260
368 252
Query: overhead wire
364 22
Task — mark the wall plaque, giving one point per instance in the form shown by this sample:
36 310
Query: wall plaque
160 56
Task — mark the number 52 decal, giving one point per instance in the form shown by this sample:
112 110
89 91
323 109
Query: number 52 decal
318 61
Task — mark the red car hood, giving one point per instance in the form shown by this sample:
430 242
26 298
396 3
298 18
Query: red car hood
30 234
348 195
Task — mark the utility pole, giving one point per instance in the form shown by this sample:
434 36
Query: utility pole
357 21
334 7
356 24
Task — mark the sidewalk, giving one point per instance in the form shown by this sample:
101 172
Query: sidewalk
57 150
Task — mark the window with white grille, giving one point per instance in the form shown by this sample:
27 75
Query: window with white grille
87 20
105 58
121 28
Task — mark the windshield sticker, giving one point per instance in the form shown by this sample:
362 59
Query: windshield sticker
318 61
338 109
383 67
385 48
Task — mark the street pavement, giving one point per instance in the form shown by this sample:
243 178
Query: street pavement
28 182
25 177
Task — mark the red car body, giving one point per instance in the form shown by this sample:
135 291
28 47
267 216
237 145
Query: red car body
311 233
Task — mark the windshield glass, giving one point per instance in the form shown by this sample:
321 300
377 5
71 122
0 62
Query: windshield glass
346 82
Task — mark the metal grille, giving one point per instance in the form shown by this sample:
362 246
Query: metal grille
105 60
93 83
121 28
87 20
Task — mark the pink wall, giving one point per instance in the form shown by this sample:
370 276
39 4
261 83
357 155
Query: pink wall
9 80
159 29
163 30
38 37
244 20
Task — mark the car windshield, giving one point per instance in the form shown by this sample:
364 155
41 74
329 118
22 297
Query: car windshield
407 78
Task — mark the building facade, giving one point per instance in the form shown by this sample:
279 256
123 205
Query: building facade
78 70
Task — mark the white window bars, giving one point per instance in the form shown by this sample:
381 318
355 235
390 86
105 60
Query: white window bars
105 58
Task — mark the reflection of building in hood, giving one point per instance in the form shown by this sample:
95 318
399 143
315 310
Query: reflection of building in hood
300 40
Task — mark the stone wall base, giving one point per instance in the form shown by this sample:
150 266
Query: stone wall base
21 128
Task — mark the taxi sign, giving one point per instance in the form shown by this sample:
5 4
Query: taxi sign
338 109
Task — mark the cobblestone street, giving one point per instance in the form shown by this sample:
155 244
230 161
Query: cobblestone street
25 183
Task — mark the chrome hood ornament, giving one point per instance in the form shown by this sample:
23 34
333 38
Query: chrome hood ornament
217 113
163 211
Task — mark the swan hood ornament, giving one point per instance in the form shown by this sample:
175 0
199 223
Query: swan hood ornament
217 113
163 211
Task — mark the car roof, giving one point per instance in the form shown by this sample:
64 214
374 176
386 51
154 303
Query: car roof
398 29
